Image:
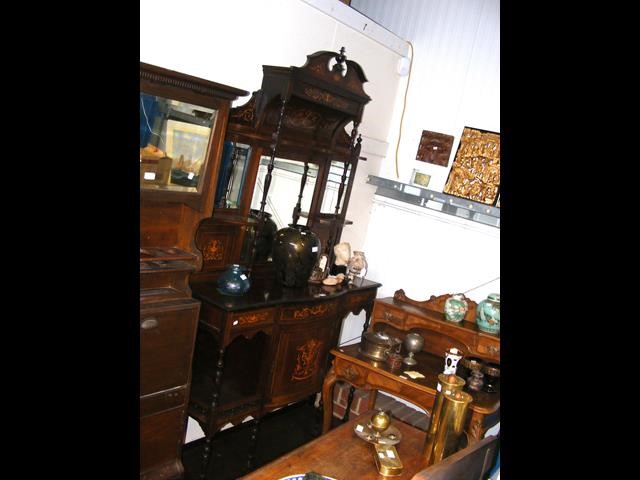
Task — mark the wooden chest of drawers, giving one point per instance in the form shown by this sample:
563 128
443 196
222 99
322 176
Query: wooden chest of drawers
168 323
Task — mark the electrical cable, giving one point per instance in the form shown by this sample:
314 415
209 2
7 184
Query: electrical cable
144 111
404 106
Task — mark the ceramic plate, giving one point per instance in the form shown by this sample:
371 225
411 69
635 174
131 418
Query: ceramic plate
300 476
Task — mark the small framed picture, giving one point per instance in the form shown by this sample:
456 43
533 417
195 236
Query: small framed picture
419 179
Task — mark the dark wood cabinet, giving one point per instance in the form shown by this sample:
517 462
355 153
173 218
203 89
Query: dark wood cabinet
267 348
168 324
288 153
182 125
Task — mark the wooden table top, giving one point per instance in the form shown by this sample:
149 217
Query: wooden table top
428 365
342 455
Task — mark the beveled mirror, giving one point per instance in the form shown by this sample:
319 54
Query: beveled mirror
174 142
182 123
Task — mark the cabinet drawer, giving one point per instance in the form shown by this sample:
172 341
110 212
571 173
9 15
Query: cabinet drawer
167 336
359 300
309 311
489 347
161 401
241 320
386 314
160 443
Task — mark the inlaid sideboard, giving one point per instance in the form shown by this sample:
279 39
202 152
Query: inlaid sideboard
265 349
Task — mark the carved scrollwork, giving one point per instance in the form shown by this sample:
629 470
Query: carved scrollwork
350 373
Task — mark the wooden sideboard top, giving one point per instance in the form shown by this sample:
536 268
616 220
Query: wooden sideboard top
265 292
435 316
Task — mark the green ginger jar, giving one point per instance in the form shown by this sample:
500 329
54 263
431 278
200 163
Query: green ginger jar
488 314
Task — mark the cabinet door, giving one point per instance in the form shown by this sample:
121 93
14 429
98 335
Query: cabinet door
160 441
301 359
167 336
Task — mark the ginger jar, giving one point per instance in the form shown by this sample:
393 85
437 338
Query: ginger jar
488 314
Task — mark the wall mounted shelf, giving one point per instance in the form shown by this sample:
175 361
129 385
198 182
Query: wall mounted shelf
433 200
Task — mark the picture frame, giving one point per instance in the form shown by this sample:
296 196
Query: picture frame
475 171
187 143
419 179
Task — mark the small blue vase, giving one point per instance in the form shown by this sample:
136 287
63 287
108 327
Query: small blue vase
234 281
488 314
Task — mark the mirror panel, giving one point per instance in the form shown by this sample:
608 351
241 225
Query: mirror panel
174 143
284 190
233 172
334 179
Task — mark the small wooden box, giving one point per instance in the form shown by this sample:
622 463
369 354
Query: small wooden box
155 171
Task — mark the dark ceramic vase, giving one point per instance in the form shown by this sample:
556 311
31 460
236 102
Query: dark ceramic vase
233 281
266 237
295 251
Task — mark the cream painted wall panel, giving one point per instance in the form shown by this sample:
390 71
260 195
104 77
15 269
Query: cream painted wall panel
430 253
379 65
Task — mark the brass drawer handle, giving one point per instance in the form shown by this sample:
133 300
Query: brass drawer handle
388 316
149 323
493 349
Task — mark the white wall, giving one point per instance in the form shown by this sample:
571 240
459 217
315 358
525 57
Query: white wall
455 76
454 82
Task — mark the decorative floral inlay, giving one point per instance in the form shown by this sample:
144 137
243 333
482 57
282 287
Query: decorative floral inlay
252 318
214 250
325 97
306 311
306 360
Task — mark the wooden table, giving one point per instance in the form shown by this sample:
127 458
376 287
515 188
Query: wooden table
359 371
342 455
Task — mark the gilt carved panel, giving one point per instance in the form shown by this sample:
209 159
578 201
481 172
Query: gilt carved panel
475 173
